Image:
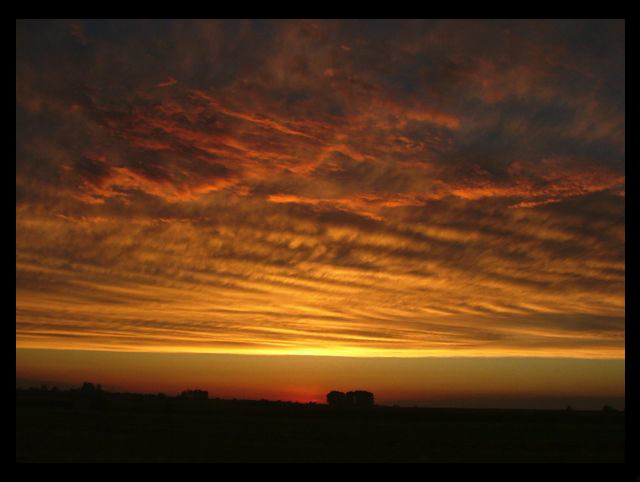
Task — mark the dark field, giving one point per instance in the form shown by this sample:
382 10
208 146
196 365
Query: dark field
153 429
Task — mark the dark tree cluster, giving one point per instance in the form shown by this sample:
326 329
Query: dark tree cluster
195 394
91 396
90 388
357 398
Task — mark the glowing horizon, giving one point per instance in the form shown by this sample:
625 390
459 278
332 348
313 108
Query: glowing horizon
452 381
388 189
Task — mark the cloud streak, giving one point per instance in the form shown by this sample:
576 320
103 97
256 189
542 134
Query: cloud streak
462 197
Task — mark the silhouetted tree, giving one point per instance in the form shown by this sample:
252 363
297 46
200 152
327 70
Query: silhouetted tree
360 398
336 398
195 394
92 396
357 398
88 387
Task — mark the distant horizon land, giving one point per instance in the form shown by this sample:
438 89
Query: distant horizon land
528 383
585 403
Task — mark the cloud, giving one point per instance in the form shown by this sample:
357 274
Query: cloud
389 188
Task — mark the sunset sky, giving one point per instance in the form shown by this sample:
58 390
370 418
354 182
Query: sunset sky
430 210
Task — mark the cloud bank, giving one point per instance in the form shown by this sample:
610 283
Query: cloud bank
365 188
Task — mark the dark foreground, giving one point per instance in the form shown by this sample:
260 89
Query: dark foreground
155 429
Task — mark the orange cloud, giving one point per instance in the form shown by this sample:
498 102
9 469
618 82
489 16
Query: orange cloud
322 187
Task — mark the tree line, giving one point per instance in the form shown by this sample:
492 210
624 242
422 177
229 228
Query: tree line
356 398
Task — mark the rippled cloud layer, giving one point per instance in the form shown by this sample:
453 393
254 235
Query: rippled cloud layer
366 188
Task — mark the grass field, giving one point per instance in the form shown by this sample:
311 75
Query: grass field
170 430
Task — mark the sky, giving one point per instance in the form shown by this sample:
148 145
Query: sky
433 210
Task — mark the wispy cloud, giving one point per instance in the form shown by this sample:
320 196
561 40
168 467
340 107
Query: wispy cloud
375 188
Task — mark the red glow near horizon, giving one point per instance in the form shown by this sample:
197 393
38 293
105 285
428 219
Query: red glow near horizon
435 196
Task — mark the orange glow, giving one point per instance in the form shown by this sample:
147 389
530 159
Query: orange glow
401 190
310 378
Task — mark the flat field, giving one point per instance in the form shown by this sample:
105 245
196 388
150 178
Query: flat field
170 430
